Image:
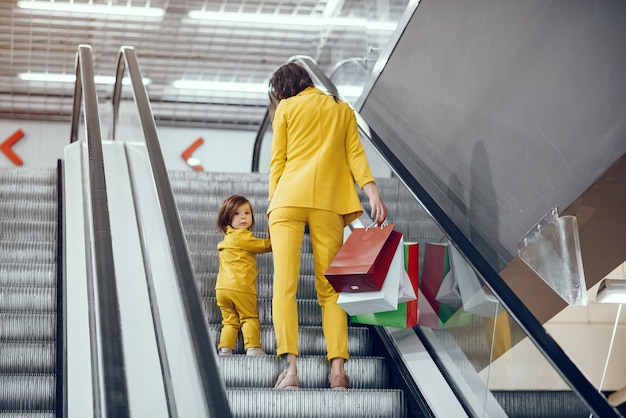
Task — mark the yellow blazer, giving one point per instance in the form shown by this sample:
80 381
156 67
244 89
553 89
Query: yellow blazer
317 156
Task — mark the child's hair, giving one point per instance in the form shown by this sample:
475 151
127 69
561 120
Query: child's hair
227 211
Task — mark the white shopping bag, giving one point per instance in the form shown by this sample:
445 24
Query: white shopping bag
385 299
476 299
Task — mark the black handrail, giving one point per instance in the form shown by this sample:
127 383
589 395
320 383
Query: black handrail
214 394
114 378
515 307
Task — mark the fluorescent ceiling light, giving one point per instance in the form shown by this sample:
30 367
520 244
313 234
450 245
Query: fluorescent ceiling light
255 88
71 78
612 291
221 86
290 20
92 8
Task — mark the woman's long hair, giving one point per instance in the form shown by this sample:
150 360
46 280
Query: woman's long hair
287 81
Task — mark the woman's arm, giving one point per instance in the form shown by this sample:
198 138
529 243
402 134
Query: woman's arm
379 210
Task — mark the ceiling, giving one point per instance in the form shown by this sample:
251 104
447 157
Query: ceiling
176 47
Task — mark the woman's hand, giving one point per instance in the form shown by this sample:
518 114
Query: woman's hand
379 210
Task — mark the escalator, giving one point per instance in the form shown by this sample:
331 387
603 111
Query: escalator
249 380
28 292
387 381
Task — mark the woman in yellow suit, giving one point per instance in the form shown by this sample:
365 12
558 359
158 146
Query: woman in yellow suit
316 158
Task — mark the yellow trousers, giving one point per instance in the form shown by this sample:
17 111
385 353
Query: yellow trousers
287 232
239 311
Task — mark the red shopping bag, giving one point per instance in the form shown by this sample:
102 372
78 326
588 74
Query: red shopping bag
364 259
406 315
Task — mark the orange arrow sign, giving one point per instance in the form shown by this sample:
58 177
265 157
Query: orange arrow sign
8 143
187 155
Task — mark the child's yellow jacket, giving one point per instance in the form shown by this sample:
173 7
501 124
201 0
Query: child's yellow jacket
317 155
237 253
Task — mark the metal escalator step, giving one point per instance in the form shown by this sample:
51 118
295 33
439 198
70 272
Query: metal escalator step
28 230
189 201
28 299
27 326
28 251
204 176
223 188
28 191
309 311
310 340
322 403
37 357
261 372
306 285
28 175
41 210
28 274
25 392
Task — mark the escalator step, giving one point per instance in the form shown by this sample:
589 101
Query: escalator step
221 189
204 176
28 251
309 311
28 274
262 372
27 326
27 191
28 299
189 202
40 210
28 175
306 285
28 230
309 403
310 340
28 357
27 392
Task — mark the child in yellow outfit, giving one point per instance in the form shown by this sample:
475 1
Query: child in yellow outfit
236 286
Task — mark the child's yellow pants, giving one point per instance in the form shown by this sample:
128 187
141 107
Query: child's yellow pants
239 311
287 232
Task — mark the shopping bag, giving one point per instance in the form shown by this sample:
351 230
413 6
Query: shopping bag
474 296
406 315
449 293
437 267
364 259
386 298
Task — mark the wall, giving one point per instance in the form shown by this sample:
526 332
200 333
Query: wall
222 150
